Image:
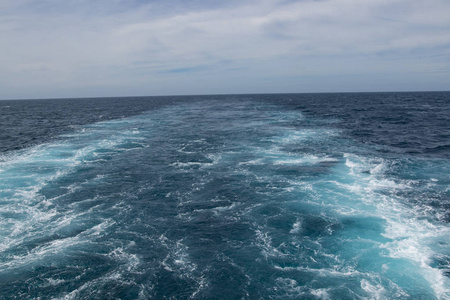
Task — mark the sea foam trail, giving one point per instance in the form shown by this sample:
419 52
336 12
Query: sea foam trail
235 199
411 236
359 189
29 217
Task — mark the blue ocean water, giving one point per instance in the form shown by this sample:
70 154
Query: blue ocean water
295 196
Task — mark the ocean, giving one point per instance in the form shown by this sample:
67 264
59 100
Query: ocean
283 196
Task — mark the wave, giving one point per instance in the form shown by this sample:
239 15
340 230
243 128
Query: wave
172 203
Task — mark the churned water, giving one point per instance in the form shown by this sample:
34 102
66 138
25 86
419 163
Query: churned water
320 196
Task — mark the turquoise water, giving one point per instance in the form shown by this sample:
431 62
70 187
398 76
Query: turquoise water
231 197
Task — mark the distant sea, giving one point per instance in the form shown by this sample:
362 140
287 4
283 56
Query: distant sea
284 196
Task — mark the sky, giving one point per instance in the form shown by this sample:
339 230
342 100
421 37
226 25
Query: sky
102 48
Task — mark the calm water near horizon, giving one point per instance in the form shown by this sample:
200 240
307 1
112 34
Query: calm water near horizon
283 196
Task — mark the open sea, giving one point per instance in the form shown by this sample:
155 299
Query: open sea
290 196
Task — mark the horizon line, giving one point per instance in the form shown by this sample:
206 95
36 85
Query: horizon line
222 94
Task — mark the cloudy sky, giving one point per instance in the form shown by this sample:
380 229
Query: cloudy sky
82 48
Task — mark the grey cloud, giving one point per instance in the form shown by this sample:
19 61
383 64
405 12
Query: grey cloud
83 48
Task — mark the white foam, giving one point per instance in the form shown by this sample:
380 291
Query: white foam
178 260
321 293
215 158
290 288
225 208
375 291
264 242
296 227
53 282
130 260
304 160
258 161
114 276
412 237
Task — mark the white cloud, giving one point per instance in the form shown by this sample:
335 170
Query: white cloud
82 48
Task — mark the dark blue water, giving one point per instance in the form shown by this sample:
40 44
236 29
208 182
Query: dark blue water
320 196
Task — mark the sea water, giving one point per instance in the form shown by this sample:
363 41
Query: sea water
295 196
